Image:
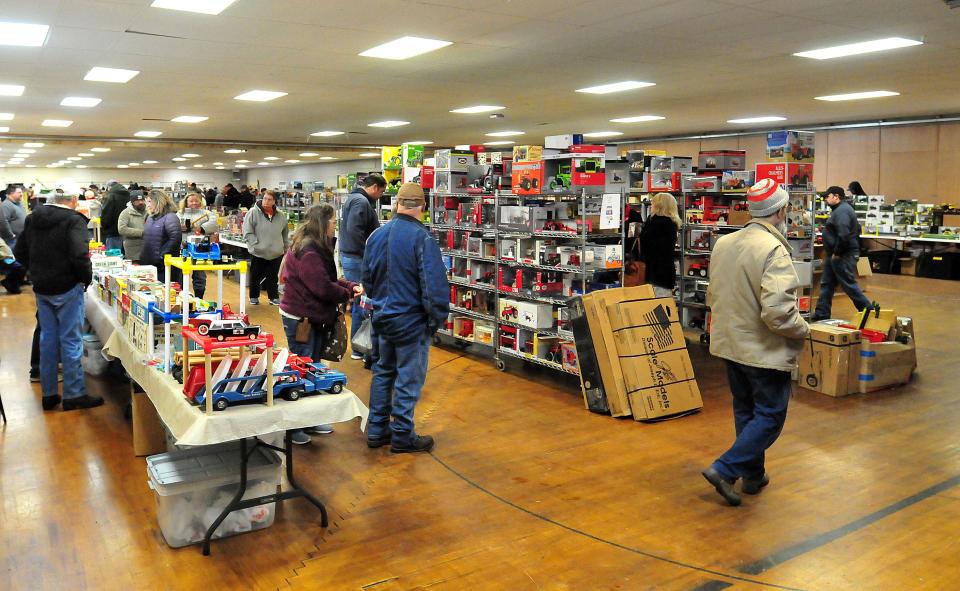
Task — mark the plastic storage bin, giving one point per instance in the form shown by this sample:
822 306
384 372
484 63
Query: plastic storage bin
193 486
93 361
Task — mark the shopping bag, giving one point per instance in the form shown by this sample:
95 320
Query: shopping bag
335 339
362 342
635 271
304 328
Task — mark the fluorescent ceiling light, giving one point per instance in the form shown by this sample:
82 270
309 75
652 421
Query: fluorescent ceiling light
200 6
81 166
259 96
4 129
133 164
388 124
326 133
6 116
26 151
263 164
86 154
241 166
477 109
370 154
189 119
74 159
419 142
219 168
234 151
198 166
122 166
616 87
53 166
80 101
116 75
31 165
603 134
33 145
23 34
405 47
330 157
504 133
56 123
181 168
11 90
147 133
858 48
242 161
855 96
767 119
178 159
308 154
150 162
637 119
499 143
291 161
271 158
99 149
190 155
218 163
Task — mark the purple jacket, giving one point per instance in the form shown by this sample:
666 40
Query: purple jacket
311 288
161 235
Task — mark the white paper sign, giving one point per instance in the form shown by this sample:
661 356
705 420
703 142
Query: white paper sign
610 211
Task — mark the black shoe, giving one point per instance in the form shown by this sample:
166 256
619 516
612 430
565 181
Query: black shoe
375 442
81 402
11 287
51 402
416 444
724 488
34 377
752 486
367 363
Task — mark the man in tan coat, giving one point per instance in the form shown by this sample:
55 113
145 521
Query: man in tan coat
757 328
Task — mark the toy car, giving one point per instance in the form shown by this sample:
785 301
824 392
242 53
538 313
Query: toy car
703 185
224 329
697 269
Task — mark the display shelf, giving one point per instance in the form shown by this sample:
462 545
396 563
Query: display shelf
470 313
562 301
466 283
466 255
545 332
565 334
546 234
537 360
562 269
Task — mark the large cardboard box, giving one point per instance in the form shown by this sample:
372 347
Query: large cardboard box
148 434
864 273
887 364
830 360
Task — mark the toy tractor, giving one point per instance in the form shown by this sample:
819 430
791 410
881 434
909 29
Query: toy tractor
696 269
800 152
527 183
562 180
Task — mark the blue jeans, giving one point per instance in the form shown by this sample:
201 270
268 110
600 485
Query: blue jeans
61 324
353 271
113 242
760 398
308 349
840 270
398 376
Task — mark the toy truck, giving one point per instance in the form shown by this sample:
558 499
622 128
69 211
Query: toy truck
202 250
290 385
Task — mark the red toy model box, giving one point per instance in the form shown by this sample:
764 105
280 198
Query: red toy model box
790 174
527 177
426 177
588 172
587 149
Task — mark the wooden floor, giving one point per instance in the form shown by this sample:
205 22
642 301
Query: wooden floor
525 490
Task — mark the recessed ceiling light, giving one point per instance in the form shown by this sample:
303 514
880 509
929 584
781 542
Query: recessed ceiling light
11 90
263 164
419 142
329 158
148 133
26 151
242 161
599 134
218 163
200 6
477 109
855 96
259 96
115 75
291 161
33 145
133 164
241 165
6 116
765 119
53 166
198 166
504 133
499 143
189 119
31 165
234 151
308 154
178 159
190 155
23 34
370 154
80 101
859 48
86 154
219 168
271 158
122 166
99 149
326 133
181 168
637 119
4 129
615 87
405 47
74 158
56 123
150 162
388 124
81 166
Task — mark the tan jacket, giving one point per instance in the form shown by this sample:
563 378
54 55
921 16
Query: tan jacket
753 299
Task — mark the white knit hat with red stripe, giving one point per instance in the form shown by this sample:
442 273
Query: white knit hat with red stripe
766 198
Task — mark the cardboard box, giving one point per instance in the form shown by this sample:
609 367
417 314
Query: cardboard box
523 218
700 184
588 172
527 153
882 322
447 181
790 146
671 164
722 160
608 256
527 178
562 142
887 364
453 160
830 360
739 218
737 180
951 220
864 273
391 158
529 314
148 434
789 174
908 266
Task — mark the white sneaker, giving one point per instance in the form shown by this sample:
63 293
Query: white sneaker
254 301
356 356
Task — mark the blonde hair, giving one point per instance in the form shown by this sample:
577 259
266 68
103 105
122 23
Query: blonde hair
161 203
665 204
183 204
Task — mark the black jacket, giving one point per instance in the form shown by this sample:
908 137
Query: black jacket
113 205
658 239
841 233
54 246
358 220
247 199
231 199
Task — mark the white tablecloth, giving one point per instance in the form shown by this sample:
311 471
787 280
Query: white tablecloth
102 319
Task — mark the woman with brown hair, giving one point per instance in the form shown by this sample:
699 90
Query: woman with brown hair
658 240
312 290
161 233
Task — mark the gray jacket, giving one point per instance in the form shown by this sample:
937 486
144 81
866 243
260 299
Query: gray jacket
841 233
266 237
130 226
14 217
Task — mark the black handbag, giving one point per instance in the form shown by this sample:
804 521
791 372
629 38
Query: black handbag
335 338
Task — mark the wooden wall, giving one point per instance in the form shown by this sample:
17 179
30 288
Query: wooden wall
902 162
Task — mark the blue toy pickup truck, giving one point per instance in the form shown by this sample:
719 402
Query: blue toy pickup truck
290 385
203 250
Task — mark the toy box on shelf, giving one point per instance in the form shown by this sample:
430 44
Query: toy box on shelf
788 174
719 160
790 146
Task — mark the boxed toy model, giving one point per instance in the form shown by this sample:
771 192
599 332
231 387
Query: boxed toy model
447 181
453 160
604 256
529 314
588 172
701 184
722 160
392 158
737 180
671 164
527 154
790 146
527 178
523 218
789 174
562 142
663 181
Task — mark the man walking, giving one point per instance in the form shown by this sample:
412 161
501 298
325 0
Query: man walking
404 277
841 240
12 219
54 248
359 217
758 330
113 205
